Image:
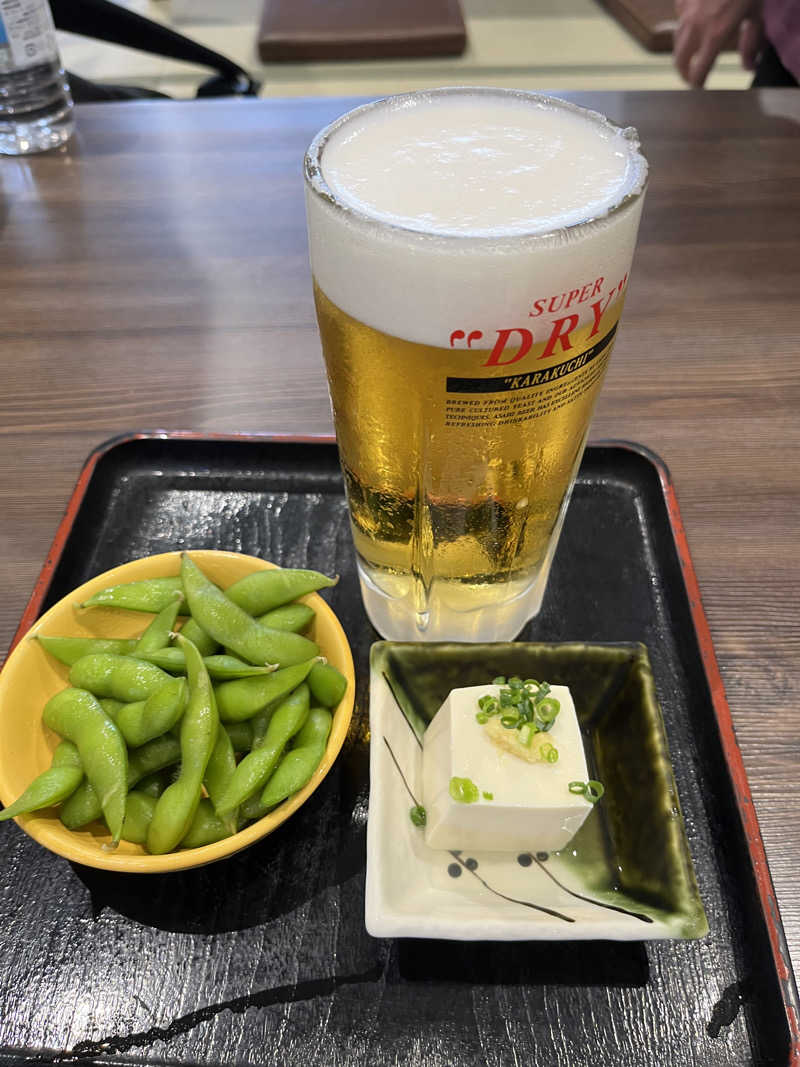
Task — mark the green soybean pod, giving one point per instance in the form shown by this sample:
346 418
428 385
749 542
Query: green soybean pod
158 633
254 770
69 650
156 755
83 807
177 805
229 624
259 724
122 677
206 828
75 715
251 810
111 707
153 785
138 816
327 684
52 786
169 659
220 668
294 617
270 588
219 772
203 642
144 720
299 763
245 697
241 735
151 594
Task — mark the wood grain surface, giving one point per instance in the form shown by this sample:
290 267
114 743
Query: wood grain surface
154 275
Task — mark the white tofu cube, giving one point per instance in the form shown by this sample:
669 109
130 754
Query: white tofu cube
531 808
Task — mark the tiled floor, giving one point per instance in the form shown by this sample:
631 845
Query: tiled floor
533 44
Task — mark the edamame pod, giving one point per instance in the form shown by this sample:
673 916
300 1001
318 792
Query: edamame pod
203 642
220 668
70 649
158 633
151 594
298 765
241 735
138 816
153 785
264 590
59 781
111 707
144 720
229 624
245 697
121 677
294 617
206 828
219 772
327 684
176 806
259 724
254 770
75 715
83 807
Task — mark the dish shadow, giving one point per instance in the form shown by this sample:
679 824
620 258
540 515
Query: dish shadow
524 963
272 878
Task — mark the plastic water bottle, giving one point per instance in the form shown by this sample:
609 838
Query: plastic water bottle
35 103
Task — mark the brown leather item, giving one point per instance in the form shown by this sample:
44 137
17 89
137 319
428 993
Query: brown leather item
293 30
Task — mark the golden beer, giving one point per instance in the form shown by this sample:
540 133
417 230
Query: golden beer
463 368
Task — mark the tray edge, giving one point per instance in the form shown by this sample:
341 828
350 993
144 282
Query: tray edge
730 746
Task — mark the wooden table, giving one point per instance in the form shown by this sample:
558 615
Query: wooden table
154 275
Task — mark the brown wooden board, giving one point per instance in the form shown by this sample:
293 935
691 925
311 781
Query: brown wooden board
295 30
652 22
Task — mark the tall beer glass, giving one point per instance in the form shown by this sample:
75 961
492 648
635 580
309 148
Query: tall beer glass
470 251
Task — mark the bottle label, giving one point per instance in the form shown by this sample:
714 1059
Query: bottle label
27 34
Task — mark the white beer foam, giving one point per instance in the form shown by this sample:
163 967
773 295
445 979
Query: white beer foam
458 209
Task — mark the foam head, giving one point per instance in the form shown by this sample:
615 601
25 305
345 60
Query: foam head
430 207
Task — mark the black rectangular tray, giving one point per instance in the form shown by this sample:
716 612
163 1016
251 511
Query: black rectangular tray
264 958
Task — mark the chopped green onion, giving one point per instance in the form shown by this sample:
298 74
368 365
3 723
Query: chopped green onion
594 790
418 815
526 734
522 703
463 790
591 790
549 753
488 796
547 709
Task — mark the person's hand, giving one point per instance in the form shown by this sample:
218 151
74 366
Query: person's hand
703 28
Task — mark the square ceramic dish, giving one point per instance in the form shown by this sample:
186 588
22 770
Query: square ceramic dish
626 875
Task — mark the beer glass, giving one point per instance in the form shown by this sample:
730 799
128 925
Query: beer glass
470 251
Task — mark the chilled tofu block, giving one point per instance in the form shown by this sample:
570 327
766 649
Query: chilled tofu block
523 803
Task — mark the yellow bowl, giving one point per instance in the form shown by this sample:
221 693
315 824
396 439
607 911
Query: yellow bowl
30 677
